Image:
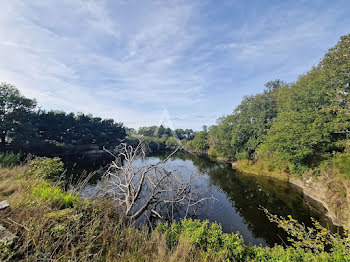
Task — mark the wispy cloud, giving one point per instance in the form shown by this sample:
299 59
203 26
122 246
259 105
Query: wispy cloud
129 60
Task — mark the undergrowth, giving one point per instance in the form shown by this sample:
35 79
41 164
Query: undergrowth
53 225
9 159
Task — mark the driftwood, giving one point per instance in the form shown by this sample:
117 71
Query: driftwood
150 187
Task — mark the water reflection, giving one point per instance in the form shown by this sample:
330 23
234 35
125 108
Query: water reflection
240 196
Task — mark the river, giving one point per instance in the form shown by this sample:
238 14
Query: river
239 197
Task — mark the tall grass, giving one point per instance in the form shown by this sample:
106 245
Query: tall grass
55 195
95 231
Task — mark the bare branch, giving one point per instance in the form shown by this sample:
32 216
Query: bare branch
149 187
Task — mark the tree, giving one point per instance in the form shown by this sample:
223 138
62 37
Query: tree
336 66
200 142
172 143
313 113
252 119
148 131
57 127
181 134
149 188
220 137
275 84
15 112
243 132
189 134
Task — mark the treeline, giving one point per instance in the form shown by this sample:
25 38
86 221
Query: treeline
24 127
292 127
160 138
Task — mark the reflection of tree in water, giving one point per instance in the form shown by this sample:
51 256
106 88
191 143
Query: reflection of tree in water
247 193
202 163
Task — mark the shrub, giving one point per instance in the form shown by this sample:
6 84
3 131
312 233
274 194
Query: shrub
297 169
316 239
243 155
54 194
204 235
44 167
9 159
341 163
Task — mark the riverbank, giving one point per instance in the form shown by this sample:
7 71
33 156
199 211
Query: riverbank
50 223
330 190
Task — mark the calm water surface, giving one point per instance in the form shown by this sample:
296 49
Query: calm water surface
238 195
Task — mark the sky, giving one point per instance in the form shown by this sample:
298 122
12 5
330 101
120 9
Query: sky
136 61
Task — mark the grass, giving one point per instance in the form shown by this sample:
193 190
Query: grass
261 167
53 225
55 195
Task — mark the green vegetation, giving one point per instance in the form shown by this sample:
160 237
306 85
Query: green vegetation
56 225
205 235
44 167
23 128
9 159
54 194
316 239
14 112
341 163
199 143
297 128
292 127
56 127
159 138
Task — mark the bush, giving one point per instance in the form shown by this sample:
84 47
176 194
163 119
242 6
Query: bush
341 163
9 159
316 239
54 194
243 155
204 235
297 169
44 167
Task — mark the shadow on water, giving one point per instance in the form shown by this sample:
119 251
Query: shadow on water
239 197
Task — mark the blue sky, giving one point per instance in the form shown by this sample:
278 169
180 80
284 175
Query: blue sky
132 60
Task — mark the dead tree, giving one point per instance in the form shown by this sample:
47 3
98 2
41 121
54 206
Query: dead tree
150 187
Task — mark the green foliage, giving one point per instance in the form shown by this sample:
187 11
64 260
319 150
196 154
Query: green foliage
220 137
54 194
341 163
308 244
15 112
204 235
22 128
314 114
44 167
303 131
242 155
159 138
172 143
245 129
200 142
9 159
316 239
297 126
57 127
93 231
184 134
